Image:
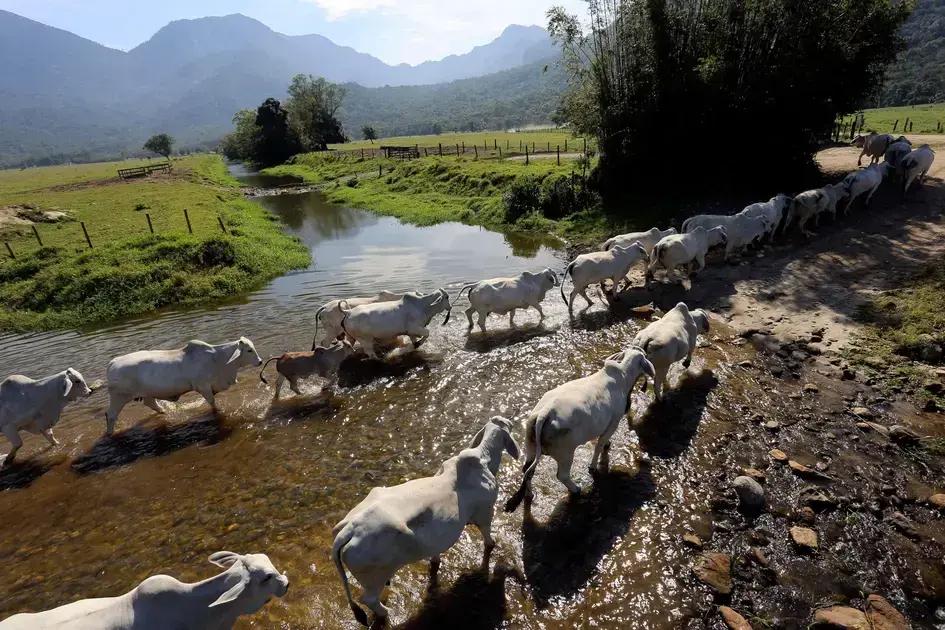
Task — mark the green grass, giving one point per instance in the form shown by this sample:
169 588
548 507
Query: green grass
541 138
926 118
898 326
433 189
130 271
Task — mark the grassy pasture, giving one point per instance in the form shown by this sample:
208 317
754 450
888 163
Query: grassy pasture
131 271
925 118
483 139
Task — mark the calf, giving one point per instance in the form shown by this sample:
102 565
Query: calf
597 267
422 518
647 239
506 295
671 339
296 366
36 406
685 249
874 145
812 203
864 182
162 602
578 412
386 321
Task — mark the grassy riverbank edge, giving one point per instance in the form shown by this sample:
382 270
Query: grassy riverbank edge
131 272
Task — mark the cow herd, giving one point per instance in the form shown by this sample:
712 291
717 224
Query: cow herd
421 519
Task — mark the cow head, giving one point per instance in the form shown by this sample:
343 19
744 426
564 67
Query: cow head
245 354
498 431
701 318
717 236
74 385
631 362
252 580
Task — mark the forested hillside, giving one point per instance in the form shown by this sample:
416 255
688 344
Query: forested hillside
919 74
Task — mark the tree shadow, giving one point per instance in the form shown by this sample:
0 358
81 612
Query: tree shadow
361 370
667 427
23 472
492 339
475 601
561 555
149 439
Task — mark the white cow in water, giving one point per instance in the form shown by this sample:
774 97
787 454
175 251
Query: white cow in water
598 267
36 406
154 375
164 603
330 315
421 519
673 338
506 295
386 321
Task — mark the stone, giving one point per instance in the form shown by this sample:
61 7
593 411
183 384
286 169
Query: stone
733 620
759 556
778 455
930 406
810 388
903 524
934 387
938 501
772 425
842 617
715 570
816 498
862 412
807 515
692 540
745 364
804 537
883 616
800 468
751 495
847 374
903 435
756 474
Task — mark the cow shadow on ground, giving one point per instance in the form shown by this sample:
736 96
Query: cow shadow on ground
150 439
23 472
360 370
291 406
492 339
621 308
561 555
476 600
667 427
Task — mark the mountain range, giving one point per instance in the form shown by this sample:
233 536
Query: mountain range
66 97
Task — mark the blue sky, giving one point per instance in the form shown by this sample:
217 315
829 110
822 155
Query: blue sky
396 31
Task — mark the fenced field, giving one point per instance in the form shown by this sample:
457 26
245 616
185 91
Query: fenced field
485 143
922 119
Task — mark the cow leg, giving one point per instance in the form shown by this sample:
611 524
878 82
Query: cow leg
116 403
279 382
469 312
15 443
541 313
586 299
659 382
48 434
564 472
368 345
869 197
151 403
207 393
574 293
484 526
294 386
512 318
482 321
373 583
603 444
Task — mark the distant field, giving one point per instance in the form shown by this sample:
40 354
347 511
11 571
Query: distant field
510 141
925 118
129 270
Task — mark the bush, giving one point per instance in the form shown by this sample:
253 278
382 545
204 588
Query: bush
523 197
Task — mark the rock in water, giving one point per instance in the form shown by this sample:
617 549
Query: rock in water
883 615
751 495
715 570
734 620
841 617
804 537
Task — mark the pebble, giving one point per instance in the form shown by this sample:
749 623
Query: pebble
715 570
804 537
883 616
938 501
692 540
903 524
751 495
772 425
778 455
862 412
800 468
759 476
733 620
759 556
810 388
903 435
807 515
842 617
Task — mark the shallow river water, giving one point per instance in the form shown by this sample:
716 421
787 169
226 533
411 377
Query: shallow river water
95 516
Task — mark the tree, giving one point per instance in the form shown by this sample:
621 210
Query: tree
276 142
655 80
369 133
160 144
313 107
243 141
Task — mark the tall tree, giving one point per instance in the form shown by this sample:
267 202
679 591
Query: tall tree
243 141
313 107
277 142
162 144
369 133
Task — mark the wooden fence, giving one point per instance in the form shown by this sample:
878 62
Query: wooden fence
488 149
144 171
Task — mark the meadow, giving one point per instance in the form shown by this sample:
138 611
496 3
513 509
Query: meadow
542 139
924 118
129 270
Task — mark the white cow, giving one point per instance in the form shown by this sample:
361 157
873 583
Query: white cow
648 239
874 145
896 151
774 210
597 267
386 321
36 406
671 339
745 230
330 315
866 181
154 375
579 412
916 165
685 249
506 295
811 204
396 526
162 602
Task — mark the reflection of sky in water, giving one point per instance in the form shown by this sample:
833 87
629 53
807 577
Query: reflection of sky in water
354 253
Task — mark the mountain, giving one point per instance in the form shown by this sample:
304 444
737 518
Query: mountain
66 97
918 76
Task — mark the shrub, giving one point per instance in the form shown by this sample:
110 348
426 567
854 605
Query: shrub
522 197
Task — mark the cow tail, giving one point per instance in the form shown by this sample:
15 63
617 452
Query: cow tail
343 538
567 272
465 287
261 377
512 504
685 225
318 315
342 307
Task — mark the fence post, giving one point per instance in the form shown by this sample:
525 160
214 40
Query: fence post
457 150
362 153
464 147
585 146
495 143
895 124
506 144
380 171
36 233
476 149
220 221
441 149
86 232
565 145
10 249
549 147
500 153
526 155
425 154
150 225
559 155
190 228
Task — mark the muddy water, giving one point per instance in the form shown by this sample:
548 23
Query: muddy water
95 516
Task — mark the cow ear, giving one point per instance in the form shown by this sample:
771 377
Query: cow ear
511 446
224 559
67 387
235 356
478 439
234 592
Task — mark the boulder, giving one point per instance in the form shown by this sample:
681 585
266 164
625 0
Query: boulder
715 570
751 496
